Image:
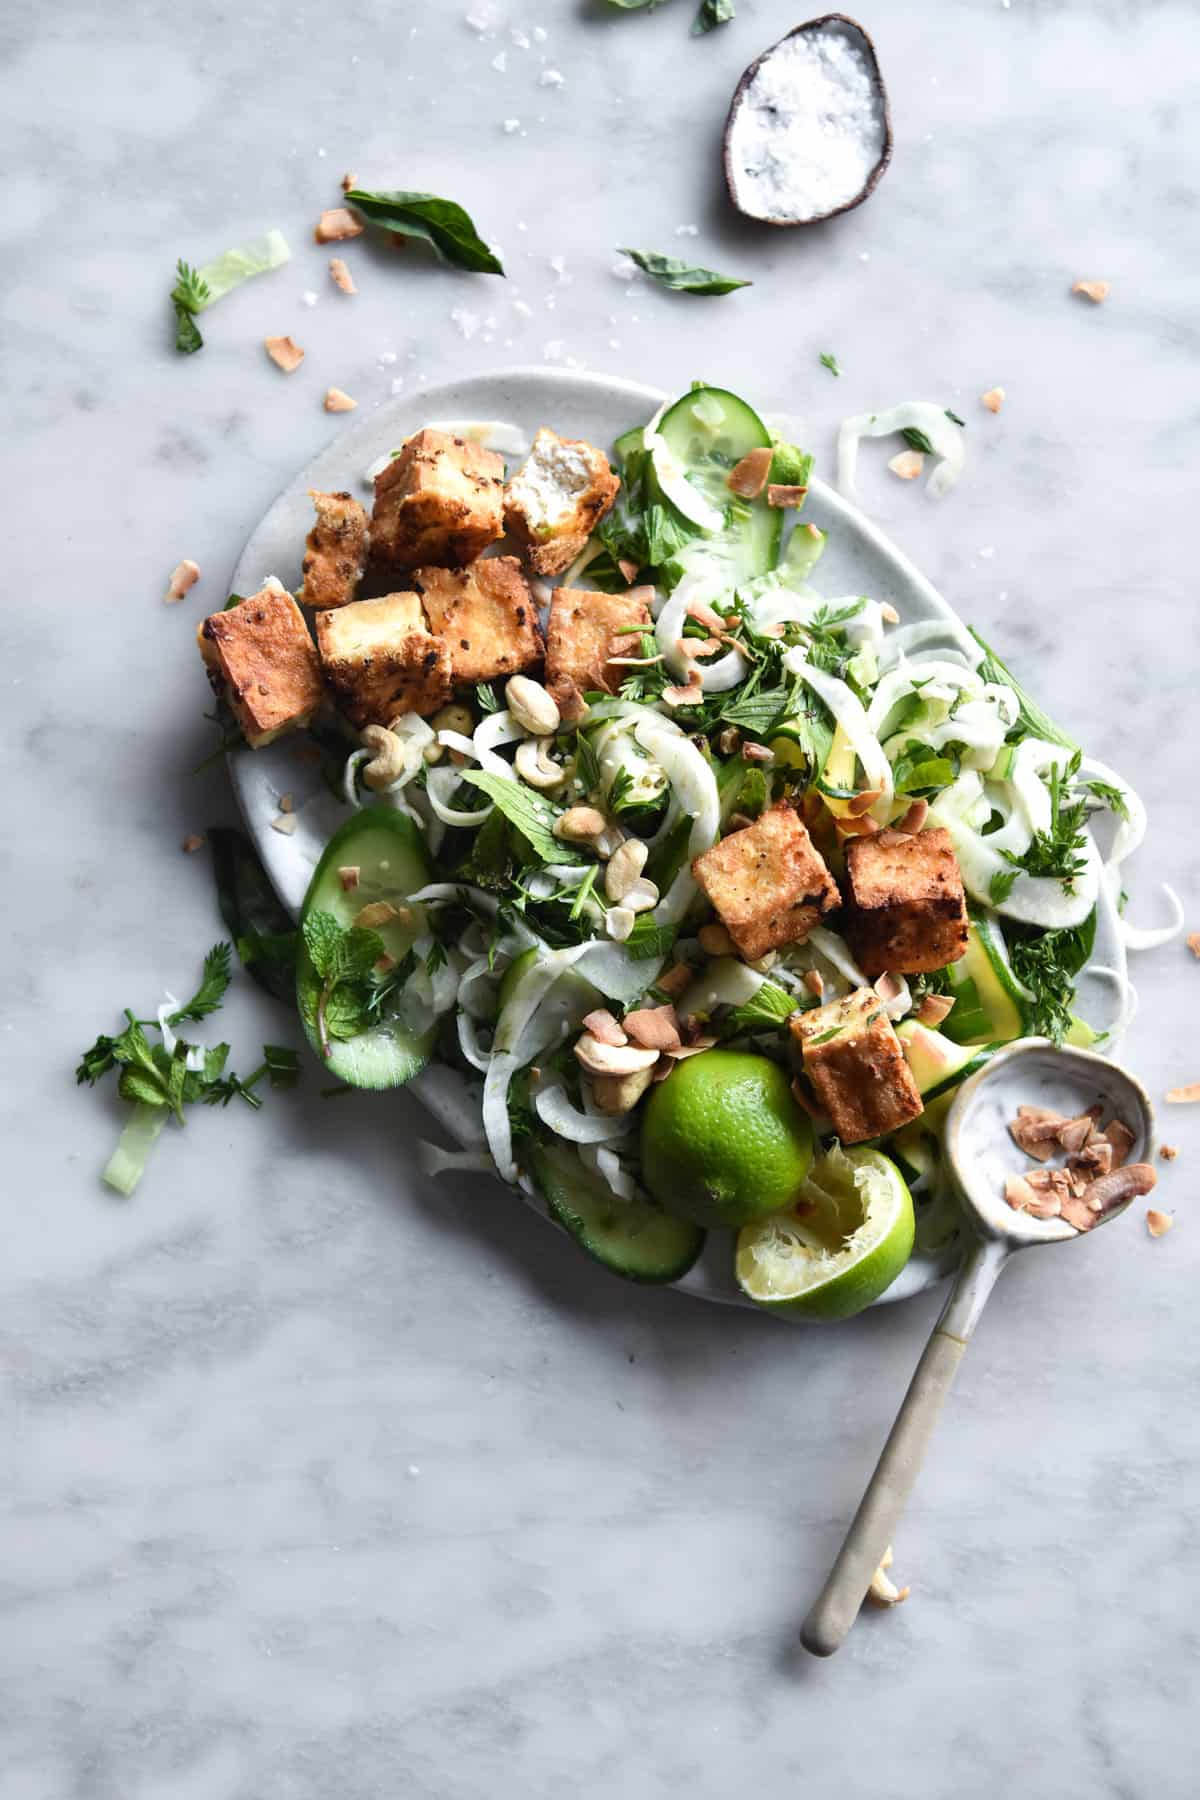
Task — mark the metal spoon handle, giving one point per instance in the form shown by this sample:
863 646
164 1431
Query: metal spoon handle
874 1524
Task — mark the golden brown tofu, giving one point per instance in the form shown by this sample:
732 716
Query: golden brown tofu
856 1065
906 908
335 553
485 615
585 631
440 501
261 660
381 660
556 499
768 884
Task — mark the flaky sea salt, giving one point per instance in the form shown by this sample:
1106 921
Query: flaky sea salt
551 78
467 322
809 129
511 125
500 62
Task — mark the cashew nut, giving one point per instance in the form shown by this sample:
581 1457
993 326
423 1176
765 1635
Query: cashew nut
619 922
579 825
612 1059
883 1590
535 765
534 709
640 896
624 868
618 1094
388 762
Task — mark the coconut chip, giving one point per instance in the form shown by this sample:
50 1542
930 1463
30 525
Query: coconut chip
1193 943
1168 1152
192 843
749 477
341 276
993 399
337 224
907 465
1095 291
1184 1096
1158 1223
284 352
934 1008
883 1590
185 576
337 401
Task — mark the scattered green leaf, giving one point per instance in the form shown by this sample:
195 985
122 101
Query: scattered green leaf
830 362
442 224
683 277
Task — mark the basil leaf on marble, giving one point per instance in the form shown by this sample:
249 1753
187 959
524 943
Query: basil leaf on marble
682 277
713 13
442 224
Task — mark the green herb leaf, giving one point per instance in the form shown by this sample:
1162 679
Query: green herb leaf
954 418
262 931
196 289
1047 963
648 940
1001 885
768 1009
916 440
587 764
1111 797
682 277
790 466
1056 853
187 333
830 362
757 712
533 816
213 985
322 936
711 14
440 223
1031 720
486 698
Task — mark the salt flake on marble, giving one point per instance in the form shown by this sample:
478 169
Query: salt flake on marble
310 297
552 350
551 78
519 38
467 322
624 268
540 34
687 231
386 358
523 309
397 383
500 63
511 125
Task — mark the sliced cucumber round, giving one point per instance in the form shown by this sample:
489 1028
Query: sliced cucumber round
633 1238
386 850
937 1063
989 1006
708 433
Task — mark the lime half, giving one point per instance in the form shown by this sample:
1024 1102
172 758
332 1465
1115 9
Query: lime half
838 1246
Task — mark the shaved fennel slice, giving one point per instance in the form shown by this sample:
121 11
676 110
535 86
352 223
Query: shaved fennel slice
607 1165
675 484
1130 832
514 1045
946 635
440 783
1149 937
715 677
554 1108
480 753
848 712
468 1042
1034 899
725 982
920 415
433 1160
694 786
836 953
1127 994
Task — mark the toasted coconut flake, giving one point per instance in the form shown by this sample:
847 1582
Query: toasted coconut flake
1158 1223
341 276
907 465
749 477
285 353
1184 1096
285 824
994 399
934 1008
1076 1133
703 615
782 495
348 876
889 987
757 753
862 803
1122 1140
1022 1196
348 182
184 577
654 1027
689 695
693 647
695 1048
814 981
883 1590
374 914
1095 291
605 1028
191 843
1168 1152
628 569
888 613
1109 1192
337 401
287 802
677 978
1193 943
914 819
337 224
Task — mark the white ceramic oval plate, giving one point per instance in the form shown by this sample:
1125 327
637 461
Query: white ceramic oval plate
858 560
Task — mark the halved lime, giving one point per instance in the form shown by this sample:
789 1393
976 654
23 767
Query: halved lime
838 1246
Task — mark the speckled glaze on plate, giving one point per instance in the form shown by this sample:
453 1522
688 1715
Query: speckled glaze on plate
859 559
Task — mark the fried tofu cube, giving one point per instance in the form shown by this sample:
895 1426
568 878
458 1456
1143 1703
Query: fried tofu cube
768 884
556 499
440 501
261 660
335 552
381 660
857 1067
585 631
906 907
486 617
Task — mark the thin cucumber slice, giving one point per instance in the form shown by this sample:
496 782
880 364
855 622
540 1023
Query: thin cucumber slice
988 1004
633 1238
387 851
708 432
938 1064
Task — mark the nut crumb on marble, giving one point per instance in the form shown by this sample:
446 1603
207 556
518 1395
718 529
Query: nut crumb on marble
994 399
883 1591
1168 1152
336 401
1095 291
1193 943
192 843
1184 1096
907 465
342 277
336 224
284 352
1158 1223
183 578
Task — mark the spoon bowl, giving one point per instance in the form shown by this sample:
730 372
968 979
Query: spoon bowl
981 1155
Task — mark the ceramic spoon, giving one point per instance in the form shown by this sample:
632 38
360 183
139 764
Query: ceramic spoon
980 1154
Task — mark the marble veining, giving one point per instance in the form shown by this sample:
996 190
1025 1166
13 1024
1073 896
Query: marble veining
323 1483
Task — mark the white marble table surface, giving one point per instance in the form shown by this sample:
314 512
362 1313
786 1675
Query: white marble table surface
320 1484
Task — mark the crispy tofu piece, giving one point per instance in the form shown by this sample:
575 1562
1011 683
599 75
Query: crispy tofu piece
556 499
585 631
485 615
335 553
857 1066
906 908
767 883
440 501
261 660
381 660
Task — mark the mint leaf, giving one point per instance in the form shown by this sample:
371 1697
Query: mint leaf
533 816
322 936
